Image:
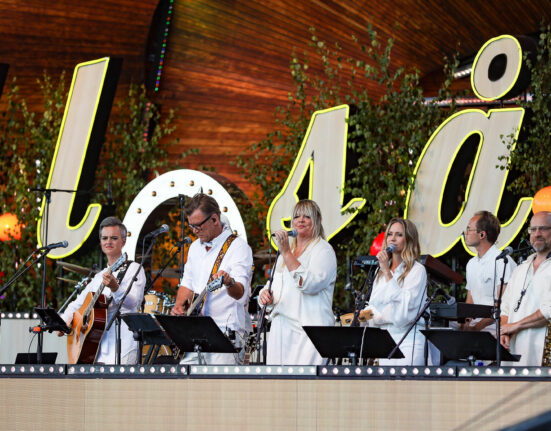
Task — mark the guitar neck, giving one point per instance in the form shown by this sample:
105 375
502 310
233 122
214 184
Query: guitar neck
195 303
95 297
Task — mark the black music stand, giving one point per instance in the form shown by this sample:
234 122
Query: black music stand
346 342
467 345
52 320
196 334
146 331
32 358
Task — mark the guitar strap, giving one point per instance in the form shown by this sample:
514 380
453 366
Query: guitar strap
217 263
122 271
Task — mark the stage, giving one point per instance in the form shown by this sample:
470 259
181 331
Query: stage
65 397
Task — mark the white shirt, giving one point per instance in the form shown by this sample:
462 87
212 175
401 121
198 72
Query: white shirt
395 307
484 276
132 302
528 342
226 311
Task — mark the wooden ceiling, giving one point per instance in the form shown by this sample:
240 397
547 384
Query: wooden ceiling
227 63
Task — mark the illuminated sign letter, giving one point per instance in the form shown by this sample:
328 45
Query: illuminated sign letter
170 185
78 145
322 155
497 72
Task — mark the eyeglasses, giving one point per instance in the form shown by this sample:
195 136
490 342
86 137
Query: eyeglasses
198 226
542 229
470 229
112 238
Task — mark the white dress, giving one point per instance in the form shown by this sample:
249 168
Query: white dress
296 305
529 342
395 306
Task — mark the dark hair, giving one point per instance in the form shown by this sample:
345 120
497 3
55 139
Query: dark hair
113 221
207 204
488 223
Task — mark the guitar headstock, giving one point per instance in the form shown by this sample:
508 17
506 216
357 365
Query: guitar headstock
118 263
215 284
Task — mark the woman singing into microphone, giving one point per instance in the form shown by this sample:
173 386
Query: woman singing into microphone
302 291
399 291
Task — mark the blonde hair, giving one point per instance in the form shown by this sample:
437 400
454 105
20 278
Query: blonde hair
309 208
411 251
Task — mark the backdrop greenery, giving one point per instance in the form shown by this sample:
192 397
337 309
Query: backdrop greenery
29 138
386 135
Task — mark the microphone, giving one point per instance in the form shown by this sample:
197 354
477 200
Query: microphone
450 300
390 249
186 241
163 229
292 233
62 244
506 252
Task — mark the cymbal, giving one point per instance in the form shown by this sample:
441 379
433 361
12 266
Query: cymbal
75 268
262 257
67 280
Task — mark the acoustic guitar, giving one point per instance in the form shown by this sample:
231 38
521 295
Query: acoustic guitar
89 323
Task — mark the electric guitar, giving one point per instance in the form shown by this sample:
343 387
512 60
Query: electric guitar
89 323
195 308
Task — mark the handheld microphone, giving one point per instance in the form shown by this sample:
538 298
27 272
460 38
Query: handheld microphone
163 229
506 252
62 244
450 300
390 249
186 241
291 233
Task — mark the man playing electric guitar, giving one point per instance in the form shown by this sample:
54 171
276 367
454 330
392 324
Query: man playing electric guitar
217 253
112 239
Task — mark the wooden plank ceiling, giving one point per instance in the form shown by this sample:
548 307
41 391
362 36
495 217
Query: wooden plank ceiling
227 62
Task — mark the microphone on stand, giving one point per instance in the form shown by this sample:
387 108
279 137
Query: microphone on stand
163 229
506 252
450 300
291 233
62 244
186 241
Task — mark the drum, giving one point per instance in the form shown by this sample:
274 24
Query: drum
154 302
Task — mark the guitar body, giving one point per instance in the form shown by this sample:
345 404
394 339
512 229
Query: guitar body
84 339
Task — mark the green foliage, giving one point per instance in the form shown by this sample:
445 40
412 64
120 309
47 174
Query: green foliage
387 132
531 158
29 138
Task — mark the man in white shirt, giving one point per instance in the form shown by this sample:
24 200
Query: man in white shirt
526 310
483 271
228 305
112 239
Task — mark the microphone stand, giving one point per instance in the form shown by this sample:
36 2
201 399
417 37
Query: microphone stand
262 318
361 297
77 289
497 312
48 198
116 316
179 246
181 202
20 272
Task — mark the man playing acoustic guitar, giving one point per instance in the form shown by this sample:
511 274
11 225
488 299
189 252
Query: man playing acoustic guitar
114 280
217 253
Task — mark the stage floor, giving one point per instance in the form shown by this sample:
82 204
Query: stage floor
60 397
